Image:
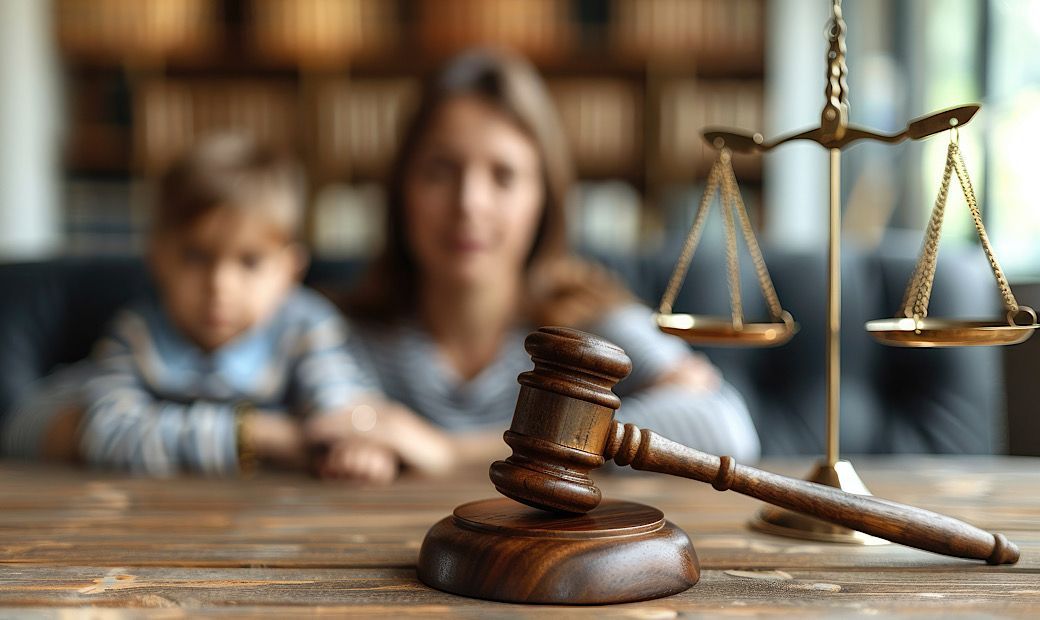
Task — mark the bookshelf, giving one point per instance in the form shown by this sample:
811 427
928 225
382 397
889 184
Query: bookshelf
634 80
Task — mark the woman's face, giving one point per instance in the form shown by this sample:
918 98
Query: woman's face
473 195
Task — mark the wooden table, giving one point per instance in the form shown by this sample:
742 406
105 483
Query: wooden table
278 545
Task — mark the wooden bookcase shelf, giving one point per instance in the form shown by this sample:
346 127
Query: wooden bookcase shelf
635 80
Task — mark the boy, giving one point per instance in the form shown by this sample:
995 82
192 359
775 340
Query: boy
207 376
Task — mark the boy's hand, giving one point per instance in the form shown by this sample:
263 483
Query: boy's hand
275 437
361 460
416 442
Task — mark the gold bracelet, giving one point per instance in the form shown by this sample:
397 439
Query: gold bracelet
243 442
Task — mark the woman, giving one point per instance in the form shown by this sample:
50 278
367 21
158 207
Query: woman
475 258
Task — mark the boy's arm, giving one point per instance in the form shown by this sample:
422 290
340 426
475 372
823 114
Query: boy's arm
327 376
126 426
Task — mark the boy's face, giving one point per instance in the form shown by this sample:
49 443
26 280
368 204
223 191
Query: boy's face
223 274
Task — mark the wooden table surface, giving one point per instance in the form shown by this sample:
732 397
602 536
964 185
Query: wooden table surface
278 545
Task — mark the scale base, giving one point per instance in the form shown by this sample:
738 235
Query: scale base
783 522
500 550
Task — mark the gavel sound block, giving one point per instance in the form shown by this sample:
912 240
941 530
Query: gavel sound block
561 544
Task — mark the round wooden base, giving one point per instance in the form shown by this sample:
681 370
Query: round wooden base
500 550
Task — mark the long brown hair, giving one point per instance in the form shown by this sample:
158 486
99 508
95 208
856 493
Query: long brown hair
513 87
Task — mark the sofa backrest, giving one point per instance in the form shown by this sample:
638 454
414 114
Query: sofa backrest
893 400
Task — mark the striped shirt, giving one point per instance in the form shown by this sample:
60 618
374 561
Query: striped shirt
409 369
158 404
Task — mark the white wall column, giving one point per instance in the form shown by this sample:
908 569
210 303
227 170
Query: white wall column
795 175
30 214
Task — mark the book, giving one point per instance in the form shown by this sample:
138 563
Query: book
689 106
358 125
602 118
171 114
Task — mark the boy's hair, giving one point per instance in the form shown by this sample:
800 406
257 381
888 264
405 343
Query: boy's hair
230 170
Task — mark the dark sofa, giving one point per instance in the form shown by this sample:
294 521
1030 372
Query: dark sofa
893 400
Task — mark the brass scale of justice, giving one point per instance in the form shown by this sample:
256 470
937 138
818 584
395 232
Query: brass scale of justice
560 542
913 329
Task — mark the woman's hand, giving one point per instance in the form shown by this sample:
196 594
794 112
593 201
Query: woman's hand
416 442
361 460
694 372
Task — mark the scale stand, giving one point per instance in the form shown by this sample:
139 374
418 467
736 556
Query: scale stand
913 329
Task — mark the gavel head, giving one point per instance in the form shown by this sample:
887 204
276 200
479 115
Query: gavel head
564 416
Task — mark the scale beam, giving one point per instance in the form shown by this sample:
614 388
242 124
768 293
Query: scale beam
741 142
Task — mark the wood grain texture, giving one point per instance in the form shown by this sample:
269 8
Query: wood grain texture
278 545
562 419
740 592
500 550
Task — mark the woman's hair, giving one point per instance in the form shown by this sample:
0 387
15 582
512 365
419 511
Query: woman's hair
230 170
513 87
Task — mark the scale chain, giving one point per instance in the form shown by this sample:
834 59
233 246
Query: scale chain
764 281
918 293
836 90
721 178
691 241
728 210
1010 303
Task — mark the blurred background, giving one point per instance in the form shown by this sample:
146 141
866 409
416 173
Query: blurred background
97 95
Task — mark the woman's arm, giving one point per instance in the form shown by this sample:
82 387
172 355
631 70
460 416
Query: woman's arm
677 392
671 389
714 421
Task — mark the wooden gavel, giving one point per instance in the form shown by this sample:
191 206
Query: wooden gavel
564 427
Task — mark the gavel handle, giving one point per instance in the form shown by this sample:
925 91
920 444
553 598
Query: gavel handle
891 521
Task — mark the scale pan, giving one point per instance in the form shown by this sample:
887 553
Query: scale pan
930 333
720 331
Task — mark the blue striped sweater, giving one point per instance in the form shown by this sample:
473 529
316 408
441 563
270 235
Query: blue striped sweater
157 404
